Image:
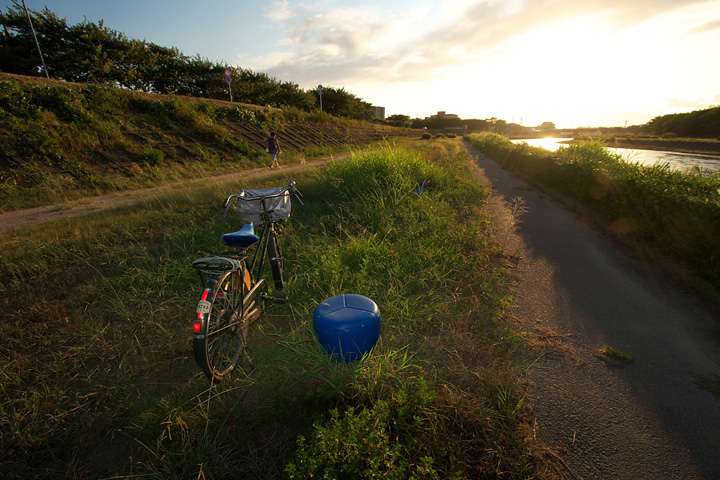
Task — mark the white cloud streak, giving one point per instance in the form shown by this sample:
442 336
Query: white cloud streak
336 44
351 43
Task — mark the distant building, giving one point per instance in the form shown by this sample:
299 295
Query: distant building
379 112
444 115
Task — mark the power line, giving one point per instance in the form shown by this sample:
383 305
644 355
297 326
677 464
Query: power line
37 45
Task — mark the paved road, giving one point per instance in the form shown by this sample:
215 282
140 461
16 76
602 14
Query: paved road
647 419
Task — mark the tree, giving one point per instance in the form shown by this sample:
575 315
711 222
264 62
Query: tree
17 50
499 126
699 124
89 52
338 102
547 127
398 120
475 125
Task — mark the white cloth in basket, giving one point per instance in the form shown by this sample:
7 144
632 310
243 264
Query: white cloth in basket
249 206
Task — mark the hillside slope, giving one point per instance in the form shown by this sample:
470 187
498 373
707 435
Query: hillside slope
61 141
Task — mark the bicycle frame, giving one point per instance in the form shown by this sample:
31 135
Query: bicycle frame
234 290
261 250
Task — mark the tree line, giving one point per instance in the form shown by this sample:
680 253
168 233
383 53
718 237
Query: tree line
93 53
469 125
697 124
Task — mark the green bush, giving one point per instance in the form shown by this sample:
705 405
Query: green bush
294 114
154 156
359 444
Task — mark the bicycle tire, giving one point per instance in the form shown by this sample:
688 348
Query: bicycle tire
276 261
222 337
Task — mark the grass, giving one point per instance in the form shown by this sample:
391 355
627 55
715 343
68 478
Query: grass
667 216
517 209
97 375
617 354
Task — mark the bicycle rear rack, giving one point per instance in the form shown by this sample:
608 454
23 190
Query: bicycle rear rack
217 265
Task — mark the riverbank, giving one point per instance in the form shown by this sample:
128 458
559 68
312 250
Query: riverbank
664 215
698 146
704 147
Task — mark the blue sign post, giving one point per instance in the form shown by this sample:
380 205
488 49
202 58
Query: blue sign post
228 79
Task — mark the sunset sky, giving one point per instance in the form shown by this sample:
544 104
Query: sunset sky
574 63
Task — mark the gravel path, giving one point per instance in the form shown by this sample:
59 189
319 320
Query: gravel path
579 292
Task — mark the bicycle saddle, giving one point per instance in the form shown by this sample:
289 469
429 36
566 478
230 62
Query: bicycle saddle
242 238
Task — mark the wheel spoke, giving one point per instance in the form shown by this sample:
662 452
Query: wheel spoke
224 340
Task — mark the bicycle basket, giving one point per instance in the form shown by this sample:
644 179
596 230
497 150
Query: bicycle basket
250 205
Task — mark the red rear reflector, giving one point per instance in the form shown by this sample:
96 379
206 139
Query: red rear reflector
197 327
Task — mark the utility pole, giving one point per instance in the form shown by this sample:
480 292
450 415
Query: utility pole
37 45
320 89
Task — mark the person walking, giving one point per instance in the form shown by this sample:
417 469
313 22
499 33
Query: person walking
273 149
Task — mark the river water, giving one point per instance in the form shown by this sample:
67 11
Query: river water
676 160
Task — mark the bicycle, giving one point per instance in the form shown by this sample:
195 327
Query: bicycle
234 290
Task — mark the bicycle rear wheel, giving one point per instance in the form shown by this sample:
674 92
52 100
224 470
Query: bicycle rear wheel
276 260
222 336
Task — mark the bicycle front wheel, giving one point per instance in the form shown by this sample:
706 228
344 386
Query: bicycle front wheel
222 335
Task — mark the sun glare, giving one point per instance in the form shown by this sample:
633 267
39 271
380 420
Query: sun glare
589 70
552 73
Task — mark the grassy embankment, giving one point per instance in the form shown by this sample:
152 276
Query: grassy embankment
61 141
666 216
97 375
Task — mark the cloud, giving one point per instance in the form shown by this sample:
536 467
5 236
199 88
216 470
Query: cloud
347 44
551 57
709 26
684 105
344 43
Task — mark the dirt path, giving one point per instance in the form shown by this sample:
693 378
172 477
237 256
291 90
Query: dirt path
647 419
48 213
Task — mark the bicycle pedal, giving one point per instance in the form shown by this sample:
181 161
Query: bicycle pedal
279 299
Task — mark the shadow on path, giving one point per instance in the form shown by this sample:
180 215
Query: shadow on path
646 419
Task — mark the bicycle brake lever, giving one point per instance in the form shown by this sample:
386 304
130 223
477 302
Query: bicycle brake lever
226 205
293 188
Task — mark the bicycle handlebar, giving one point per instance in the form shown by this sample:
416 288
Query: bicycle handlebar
238 196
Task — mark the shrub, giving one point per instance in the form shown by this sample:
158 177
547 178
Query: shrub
154 156
356 444
294 114
320 116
